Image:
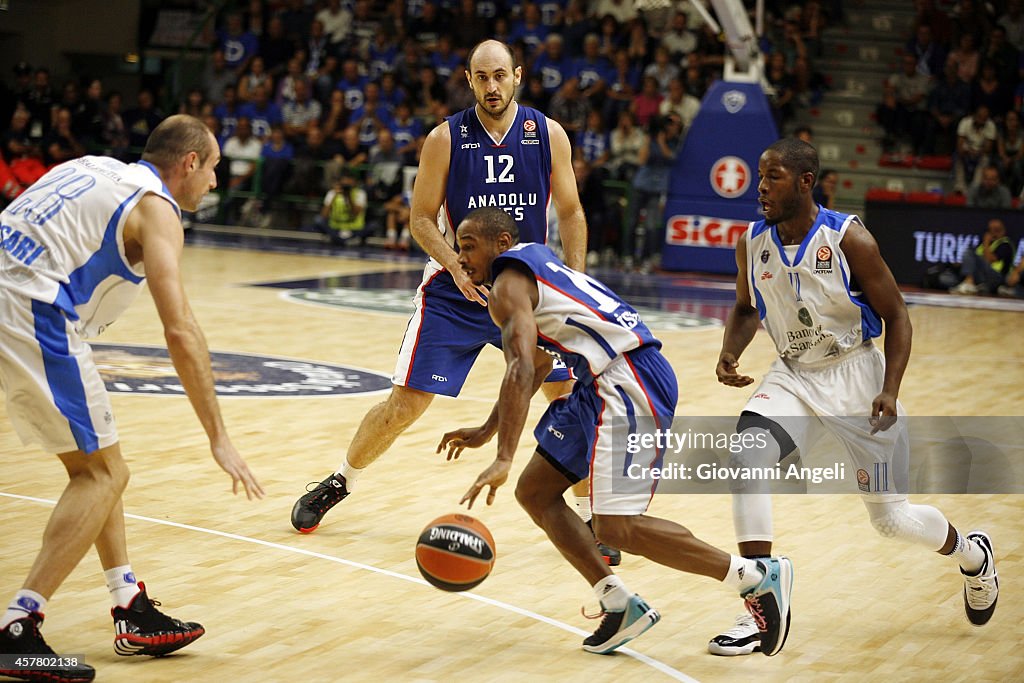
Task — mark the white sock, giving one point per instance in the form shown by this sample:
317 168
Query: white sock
122 584
24 603
583 508
612 593
968 553
350 473
743 574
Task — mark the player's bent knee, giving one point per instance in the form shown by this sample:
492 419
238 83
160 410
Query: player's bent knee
919 524
405 405
527 497
105 467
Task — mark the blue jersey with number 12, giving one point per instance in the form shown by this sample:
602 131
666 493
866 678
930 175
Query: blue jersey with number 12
513 174
578 318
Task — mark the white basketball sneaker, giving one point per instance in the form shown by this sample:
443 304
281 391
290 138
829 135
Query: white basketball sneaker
741 639
981 590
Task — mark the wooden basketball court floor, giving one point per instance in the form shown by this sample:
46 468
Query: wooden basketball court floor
347 603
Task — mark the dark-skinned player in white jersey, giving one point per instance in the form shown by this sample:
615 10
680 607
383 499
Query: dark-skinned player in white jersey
816 280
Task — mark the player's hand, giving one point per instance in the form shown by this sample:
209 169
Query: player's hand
726 371
460 439
232 463
494 476
477 293
883 412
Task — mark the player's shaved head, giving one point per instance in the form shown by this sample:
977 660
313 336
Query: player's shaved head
489 222
175 137
493 49
797 156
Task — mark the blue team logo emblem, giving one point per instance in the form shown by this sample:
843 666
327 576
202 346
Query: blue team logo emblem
147 370
28 604
129 577
734 101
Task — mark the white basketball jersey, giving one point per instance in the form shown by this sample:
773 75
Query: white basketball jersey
578 318
806 299
62 240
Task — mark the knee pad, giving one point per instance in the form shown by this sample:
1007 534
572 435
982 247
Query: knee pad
749 420
919 524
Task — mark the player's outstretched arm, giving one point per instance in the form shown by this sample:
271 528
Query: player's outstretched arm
740 326
512 299
879 287
572 222
155 226
428 194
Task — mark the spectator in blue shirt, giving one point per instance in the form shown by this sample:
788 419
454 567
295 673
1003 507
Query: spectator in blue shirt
352 84
592 70
408 133
529 29
263 113
443 59
552 64
239 45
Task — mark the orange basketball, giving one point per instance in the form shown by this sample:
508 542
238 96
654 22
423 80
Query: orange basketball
455 552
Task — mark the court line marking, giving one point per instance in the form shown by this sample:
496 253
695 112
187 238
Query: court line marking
649 661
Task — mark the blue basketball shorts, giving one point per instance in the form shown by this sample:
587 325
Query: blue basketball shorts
637 392
444 337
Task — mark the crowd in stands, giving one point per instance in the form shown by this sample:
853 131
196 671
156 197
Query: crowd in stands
309 97
958 92
320 105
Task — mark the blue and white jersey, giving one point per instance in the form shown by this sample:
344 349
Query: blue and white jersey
805 294
62 240
578 318
513 174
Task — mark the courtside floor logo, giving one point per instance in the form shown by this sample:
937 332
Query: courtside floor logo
147 370
399 301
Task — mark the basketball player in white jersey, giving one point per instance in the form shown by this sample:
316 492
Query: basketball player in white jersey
623 383
815 279
75 248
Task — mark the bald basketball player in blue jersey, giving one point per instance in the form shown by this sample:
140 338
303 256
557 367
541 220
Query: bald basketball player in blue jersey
816 280
496 153
623 383
76 248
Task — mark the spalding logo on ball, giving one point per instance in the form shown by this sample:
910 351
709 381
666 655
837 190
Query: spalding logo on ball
455 552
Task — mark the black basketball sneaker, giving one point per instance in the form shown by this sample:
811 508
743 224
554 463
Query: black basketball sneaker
22 637
142 629
311 508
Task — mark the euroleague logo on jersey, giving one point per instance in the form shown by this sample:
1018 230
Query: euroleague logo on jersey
730 177
529 133
823 260
148 371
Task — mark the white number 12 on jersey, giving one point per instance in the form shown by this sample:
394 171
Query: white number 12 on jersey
505 175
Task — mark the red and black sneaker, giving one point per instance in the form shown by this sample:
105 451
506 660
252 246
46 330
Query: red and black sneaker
611 556
142 629
320 497
26 656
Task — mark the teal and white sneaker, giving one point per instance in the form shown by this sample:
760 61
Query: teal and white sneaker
618 628
981 590
768 603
